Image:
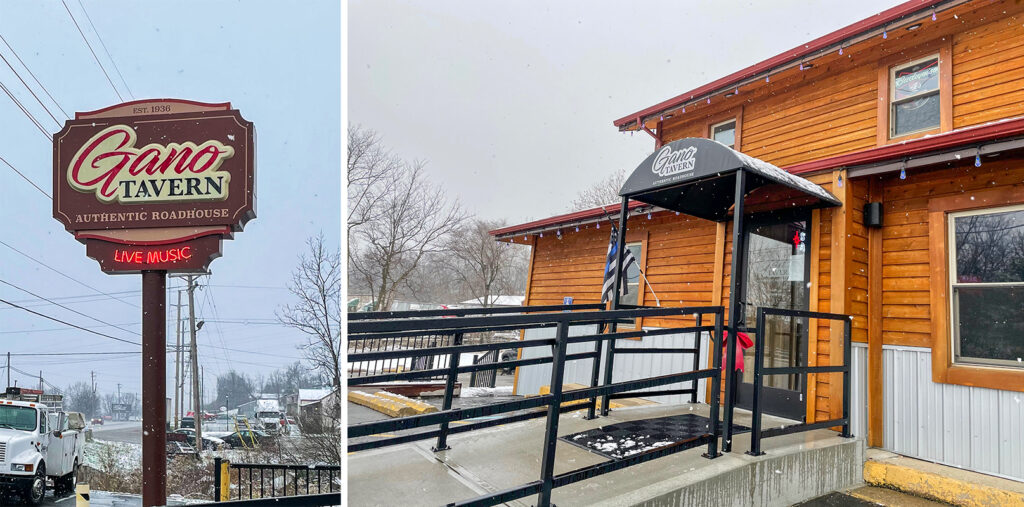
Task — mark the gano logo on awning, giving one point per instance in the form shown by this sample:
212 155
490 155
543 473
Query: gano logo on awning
670 162
112 167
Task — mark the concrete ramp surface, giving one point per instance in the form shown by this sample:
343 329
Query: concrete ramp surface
795 468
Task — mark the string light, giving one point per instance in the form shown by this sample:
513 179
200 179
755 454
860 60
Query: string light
709 100
737 92
542 234
977 158
840 181
933 16
885 34
766 79
648 215
599 225
558 233
840 49
903 170
801 65
577 228
684 109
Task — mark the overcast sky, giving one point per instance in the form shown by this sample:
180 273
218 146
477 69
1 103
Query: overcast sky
512 103
278 64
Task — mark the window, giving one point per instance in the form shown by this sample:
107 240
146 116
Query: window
18 418
986 265
632 278
725 133
914 101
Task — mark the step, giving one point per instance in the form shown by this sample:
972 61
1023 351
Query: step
942 483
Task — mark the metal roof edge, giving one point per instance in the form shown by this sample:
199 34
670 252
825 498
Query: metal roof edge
801 51
977 134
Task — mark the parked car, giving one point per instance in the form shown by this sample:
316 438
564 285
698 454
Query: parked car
245 438
188 422
209 443
97 420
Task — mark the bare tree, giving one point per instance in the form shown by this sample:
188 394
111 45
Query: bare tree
410 221
79 397
371 175
317 285
602 193
485 268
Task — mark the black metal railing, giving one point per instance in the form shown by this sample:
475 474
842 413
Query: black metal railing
254 481
557 401
760 371
486 378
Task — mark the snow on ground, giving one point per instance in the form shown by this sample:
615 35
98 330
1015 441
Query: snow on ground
128 455
480 392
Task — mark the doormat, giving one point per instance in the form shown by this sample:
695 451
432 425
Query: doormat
620 440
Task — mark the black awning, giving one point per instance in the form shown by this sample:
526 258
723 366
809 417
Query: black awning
697 176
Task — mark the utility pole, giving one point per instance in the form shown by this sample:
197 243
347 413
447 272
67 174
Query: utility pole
177 365
92 374
40 380
197 417
8 368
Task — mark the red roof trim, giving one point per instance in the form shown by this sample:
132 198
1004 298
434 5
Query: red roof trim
576 216
803 50
937 142
965 136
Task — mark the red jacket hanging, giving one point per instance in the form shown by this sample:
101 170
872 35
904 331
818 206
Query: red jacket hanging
743 343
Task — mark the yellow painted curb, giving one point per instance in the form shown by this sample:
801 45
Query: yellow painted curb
418 406
937 487
385 406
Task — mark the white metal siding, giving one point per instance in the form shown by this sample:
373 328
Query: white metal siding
627 366
970 427
859 391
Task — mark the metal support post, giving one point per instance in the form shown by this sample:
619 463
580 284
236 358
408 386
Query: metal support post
735 311
696 358
716 385
547 465
755 424
154 380
847 350
449 392
595 374
216 479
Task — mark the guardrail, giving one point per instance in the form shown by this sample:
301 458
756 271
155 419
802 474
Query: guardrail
760 371
312 483
400 324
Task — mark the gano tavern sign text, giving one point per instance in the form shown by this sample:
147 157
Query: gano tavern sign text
155 184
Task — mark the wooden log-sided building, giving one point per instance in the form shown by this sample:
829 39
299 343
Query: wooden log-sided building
920 110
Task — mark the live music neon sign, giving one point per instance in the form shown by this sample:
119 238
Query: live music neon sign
160 256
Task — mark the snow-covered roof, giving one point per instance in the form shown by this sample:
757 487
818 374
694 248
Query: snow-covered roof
496 301
313 394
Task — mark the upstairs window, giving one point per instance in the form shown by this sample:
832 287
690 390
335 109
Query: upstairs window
725 133
914 100
987 286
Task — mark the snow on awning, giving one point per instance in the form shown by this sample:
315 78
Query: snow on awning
697 176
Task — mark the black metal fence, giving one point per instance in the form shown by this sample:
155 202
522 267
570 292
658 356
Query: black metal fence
391 324
250 481
760 371
486 378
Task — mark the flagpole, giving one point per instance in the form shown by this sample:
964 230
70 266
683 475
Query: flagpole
642 274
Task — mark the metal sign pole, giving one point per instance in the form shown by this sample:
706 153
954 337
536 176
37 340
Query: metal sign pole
154 371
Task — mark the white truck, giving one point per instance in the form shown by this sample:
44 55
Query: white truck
269 416
38 441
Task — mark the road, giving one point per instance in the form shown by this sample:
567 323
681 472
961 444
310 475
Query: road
120 431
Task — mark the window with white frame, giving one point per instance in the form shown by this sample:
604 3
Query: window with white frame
986 262
725 133
914 100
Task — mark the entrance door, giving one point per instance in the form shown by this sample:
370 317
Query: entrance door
777 270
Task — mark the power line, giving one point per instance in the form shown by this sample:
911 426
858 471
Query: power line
70 324
29 88
72 353
15 53
83 284
119 97
5 282
26 111
95 31
82 298
26 331
30 182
